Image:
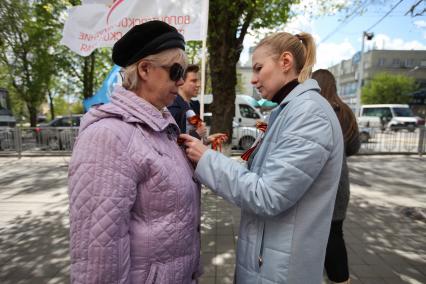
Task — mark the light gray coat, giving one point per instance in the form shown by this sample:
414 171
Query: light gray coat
288 194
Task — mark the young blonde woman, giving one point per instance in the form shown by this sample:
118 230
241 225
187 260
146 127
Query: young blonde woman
336 259
134 206
287 193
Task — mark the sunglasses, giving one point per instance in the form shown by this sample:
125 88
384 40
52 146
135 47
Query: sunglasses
176 71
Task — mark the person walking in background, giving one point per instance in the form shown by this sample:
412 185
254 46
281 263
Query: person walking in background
134 205
287 192
336 259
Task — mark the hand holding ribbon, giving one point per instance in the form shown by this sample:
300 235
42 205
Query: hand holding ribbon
194 148
195 121
217 140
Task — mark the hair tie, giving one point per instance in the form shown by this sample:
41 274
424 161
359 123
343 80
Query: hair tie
298 36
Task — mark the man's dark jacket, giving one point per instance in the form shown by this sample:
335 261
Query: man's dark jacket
178 110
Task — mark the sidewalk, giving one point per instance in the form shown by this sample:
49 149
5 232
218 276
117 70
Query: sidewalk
384 230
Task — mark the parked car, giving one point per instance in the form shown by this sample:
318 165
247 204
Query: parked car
60 133
388 116
243 137
420 121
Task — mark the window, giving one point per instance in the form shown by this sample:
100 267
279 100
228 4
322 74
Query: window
378 112
403 111
382 62
396 62
247 112
409 62
66 122
75 121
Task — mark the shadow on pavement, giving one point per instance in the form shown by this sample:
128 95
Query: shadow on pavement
220 221
384 245
34 249
388 173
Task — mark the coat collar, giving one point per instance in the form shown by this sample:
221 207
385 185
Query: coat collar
308 85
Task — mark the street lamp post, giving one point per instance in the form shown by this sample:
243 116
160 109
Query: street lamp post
368 36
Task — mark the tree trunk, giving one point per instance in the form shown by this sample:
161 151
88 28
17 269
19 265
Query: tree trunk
33 115
224 55
52 110
89 75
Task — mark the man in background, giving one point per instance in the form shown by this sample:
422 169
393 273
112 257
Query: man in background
184 108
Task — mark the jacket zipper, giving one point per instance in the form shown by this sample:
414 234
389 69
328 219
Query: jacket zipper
261 249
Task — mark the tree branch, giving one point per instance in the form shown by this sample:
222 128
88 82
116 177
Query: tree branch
247 20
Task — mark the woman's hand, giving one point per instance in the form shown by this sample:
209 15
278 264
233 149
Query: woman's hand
214 136
194 147
201 130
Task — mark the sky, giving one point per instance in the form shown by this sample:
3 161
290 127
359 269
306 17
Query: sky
339 40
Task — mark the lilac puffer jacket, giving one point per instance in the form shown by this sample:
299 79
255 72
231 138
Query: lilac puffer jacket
134 205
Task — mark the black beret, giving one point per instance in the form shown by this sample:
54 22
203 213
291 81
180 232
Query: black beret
146 39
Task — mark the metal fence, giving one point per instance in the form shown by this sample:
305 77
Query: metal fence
60 140
37 140
393 141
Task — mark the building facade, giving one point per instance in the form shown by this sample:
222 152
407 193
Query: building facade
411 63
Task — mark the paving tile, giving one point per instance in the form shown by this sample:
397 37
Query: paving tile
207 280
225 229
371 280
208 243
383 271
225 270
225 243
408 272
393 280
364 271
208 267
370 258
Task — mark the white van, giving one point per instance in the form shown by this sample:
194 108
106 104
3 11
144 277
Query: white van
388 116
246 113
243 137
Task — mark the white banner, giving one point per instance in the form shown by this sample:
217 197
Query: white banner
100 23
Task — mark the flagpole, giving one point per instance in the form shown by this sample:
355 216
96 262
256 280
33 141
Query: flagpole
203 57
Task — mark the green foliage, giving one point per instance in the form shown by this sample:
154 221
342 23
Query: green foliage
29 33
64 107
33 64
193 50
77 107
61 106
387 88
228 25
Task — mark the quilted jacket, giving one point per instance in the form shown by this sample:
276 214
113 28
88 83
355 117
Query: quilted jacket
134 204
287 196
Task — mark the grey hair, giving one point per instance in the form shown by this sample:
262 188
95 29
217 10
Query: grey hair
131 80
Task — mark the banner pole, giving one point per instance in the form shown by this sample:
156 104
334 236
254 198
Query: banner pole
203 57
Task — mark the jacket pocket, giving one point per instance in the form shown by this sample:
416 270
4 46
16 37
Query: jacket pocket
156 274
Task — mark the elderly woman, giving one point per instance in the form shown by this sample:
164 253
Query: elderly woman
134 206
287 193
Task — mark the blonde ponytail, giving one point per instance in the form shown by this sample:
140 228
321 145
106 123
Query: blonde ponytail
310 56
